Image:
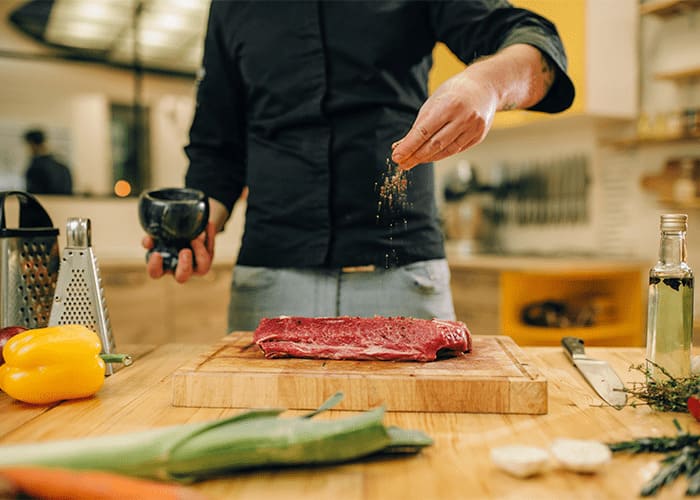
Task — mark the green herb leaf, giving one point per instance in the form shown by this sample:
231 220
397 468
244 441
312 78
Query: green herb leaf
663 394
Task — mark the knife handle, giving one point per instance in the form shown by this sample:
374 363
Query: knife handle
573 346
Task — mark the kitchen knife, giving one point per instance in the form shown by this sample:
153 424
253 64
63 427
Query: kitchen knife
599 374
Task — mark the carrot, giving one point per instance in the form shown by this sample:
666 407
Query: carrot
48 483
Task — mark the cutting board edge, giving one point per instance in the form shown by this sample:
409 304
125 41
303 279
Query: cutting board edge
184 371
524 391
511 396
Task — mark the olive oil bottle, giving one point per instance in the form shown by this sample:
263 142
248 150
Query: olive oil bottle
670 303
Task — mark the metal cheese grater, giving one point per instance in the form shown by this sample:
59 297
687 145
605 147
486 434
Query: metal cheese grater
79 297
29 263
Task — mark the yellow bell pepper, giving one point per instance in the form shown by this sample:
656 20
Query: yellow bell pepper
45 365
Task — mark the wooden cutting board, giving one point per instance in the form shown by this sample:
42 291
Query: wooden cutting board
496 377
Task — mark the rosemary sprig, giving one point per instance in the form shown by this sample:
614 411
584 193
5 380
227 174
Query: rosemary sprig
663 394
694 481
666 393
674 466
683 457
658 444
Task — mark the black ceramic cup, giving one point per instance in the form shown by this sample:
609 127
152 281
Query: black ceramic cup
172 217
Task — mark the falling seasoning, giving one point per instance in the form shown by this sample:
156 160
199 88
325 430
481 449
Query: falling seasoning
392 189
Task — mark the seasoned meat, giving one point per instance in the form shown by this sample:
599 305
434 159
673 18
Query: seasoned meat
377 338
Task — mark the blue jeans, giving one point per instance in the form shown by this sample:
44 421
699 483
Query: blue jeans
419 290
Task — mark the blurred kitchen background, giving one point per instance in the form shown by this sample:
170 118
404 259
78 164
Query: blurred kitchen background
551 223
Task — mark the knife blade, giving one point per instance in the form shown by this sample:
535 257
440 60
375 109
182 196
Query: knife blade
598 373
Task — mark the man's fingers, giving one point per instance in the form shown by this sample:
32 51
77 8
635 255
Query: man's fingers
411 143
454 137
147 242
202 255
194 260
183 271
154 266
442 139
426 125
210 235
461 143
447 152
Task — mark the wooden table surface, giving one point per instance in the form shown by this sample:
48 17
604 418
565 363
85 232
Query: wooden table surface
456 466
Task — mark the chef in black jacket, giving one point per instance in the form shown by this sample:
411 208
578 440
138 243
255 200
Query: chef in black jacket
45 174
304 103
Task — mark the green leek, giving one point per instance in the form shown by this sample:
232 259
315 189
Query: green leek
256 438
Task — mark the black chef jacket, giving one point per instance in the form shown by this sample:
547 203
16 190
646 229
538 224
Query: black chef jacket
301 101
46 175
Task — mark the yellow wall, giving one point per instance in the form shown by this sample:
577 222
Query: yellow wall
569 17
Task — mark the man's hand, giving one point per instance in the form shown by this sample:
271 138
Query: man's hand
460 112
202 248
457 116
202 251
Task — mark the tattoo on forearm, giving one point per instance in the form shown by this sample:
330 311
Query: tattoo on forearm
548 72
509 105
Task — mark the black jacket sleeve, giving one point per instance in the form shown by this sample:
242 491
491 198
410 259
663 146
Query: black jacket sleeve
477 28
217 144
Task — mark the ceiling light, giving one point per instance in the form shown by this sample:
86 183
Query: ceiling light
202 5
80 33
154 37
169 21
89 11
171 32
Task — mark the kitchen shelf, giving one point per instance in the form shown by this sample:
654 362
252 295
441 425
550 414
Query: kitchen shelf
632 142
679 75
616 293
624 333
666 8
693 204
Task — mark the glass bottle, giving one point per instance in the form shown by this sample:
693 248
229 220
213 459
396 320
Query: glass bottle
670 304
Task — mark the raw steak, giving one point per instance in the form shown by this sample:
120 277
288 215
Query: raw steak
378 338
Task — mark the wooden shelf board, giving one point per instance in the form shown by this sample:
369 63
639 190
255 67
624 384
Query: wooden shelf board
665 8
628 331
632 142
681 74
689 204
602 329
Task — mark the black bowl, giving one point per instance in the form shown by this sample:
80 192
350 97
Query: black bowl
172 217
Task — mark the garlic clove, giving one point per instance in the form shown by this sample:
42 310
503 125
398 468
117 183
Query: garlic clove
520 461
581 455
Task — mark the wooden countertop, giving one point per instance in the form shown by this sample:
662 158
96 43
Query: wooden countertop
456 466
457 261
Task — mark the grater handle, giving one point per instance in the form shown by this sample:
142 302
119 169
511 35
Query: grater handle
31 213
78 233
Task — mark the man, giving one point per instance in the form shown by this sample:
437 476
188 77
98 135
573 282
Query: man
45 174
306 103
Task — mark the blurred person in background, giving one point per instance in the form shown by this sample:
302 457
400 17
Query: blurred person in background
45 174
306 103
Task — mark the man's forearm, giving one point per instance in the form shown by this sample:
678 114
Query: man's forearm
520 75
